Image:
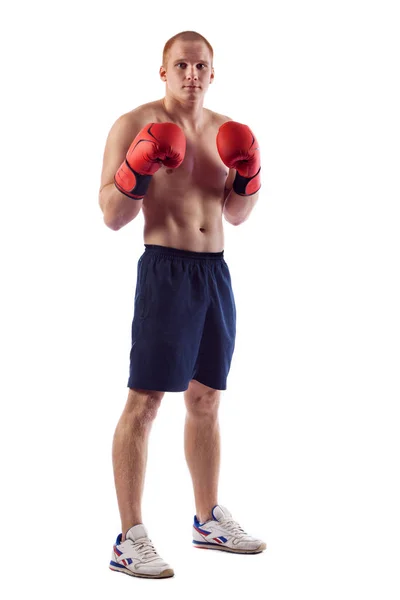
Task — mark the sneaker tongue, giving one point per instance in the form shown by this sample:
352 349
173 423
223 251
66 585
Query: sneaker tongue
136 532
220 512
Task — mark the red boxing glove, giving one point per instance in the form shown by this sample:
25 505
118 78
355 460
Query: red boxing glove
238 149
154 145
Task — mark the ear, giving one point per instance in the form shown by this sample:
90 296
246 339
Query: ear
212 75
163 74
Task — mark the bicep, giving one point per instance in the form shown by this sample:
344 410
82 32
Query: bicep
117 144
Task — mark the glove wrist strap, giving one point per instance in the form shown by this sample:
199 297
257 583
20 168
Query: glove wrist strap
140 182
247 186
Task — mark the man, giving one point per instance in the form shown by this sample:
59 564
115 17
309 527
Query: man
185 166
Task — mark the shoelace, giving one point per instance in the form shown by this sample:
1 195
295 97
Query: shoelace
233 527
144 548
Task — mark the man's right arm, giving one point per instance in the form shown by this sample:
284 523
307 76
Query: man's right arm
118 209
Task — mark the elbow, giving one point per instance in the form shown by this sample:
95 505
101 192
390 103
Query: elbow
111 223
231 221
110 219
113 226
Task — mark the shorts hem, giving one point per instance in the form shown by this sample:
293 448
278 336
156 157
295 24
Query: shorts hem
170 388
156 388
220 387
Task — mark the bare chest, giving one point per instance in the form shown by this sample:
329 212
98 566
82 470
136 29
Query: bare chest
201 172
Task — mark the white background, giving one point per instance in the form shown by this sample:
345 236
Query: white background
309 422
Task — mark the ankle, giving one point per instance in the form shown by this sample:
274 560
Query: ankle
204 517
126 527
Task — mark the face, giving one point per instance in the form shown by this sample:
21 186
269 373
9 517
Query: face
188 72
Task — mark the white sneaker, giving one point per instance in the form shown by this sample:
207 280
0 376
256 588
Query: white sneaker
137 556
223 533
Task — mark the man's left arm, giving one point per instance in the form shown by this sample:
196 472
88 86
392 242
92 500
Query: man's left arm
237 209
239 150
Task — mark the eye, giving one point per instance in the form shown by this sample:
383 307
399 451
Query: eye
201 65
181 63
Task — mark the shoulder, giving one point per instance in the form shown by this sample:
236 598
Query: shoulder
125 128
141 115
138 117
217 119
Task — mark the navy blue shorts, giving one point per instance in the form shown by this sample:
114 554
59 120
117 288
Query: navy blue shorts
184 322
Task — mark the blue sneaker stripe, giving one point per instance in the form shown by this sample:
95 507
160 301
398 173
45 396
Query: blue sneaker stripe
114 564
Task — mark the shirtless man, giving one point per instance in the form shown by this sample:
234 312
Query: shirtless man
185 166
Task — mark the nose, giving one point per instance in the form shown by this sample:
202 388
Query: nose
191 74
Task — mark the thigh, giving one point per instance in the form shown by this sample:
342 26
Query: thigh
219 334
220 326
170 308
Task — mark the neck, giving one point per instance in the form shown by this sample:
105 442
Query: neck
188 115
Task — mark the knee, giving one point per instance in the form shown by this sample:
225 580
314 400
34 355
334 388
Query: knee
143 405
203 405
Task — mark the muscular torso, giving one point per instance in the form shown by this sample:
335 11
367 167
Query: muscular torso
183 207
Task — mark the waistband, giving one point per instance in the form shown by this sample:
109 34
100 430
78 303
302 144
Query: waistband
177 252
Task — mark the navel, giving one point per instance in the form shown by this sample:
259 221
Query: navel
202 229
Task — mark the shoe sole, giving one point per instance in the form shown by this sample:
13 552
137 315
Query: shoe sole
122 569
206 546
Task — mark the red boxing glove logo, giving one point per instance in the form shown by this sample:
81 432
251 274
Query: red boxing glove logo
238 149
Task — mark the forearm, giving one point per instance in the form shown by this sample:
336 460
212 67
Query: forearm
237 208
118 209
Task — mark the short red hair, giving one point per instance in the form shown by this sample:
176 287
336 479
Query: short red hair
188 36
